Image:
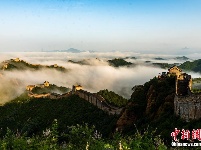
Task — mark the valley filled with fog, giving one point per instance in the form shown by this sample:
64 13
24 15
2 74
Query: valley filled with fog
94 74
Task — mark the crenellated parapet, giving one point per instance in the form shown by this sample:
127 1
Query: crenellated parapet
174 71
93 98
98 101
16 59
31 87
187 105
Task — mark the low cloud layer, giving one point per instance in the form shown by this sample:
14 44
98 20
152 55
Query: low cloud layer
96 76
10 87
92 78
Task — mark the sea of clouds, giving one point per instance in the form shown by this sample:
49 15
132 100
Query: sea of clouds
95 76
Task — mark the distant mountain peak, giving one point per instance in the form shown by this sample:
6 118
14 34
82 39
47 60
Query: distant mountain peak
70 50
182 58
73 50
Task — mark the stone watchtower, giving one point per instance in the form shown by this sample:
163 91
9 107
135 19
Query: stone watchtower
183 84
174 71
183 81
5 66
17 60
46 84
76 88
187 105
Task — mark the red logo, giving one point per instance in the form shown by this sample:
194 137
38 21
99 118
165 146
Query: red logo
185 134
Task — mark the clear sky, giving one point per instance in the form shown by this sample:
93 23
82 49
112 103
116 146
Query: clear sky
137 25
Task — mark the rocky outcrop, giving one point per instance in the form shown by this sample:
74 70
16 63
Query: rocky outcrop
151 99
127 118
149 102
167 105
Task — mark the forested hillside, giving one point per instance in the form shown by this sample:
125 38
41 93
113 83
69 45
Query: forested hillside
192 66
69 123
32 116
118 62
113 98
152 106
23 65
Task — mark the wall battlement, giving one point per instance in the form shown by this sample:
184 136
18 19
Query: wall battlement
98 101
187 105
92 98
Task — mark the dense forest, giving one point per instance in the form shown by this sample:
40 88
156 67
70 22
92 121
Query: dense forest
163 65
32 116
113 98
69 123
182 58
118 62
192 66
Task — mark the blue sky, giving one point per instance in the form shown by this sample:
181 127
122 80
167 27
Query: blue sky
134 25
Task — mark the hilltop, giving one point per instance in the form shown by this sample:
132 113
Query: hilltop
51 88
118 62
95 61
113 98
192 66
182 58
159 58
187 65
70 50
17 64
162 65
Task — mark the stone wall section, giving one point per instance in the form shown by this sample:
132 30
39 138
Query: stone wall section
93 98
188 107
98 101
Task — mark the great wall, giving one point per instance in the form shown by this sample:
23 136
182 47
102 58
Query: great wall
7 63
187 104
92 98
